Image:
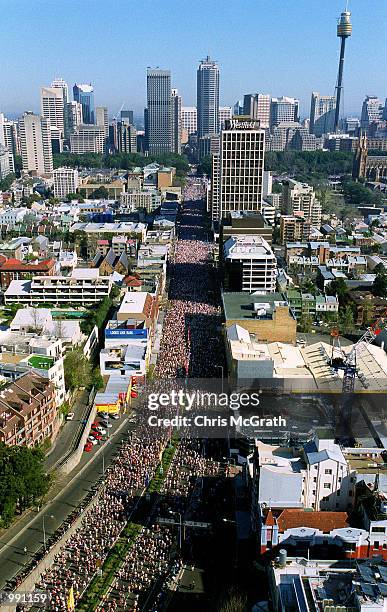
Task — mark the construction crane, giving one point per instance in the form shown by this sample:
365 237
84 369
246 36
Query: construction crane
347 361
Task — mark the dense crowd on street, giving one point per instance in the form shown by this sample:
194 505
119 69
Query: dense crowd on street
153 559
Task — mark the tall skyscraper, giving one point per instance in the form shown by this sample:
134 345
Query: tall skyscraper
207 99
84 94
52 107
322 114
74 117
176 110
283 110
126 137
372 110
9 140
238 168
257 106
159 115
61 84
35 143
127 115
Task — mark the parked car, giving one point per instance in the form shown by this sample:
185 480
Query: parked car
114 416
70 416
92 440
96 435
105 424
104 415
101 430
88 446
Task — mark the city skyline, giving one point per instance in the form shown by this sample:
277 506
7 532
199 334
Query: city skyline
244 53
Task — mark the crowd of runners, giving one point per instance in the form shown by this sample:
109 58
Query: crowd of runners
154 558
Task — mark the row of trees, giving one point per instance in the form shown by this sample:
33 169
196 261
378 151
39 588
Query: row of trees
23 481
309 165
79 371
124 161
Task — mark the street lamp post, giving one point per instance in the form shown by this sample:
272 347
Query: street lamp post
51 516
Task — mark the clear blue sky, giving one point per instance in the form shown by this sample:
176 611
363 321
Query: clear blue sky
281 47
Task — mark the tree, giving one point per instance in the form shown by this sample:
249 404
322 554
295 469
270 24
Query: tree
77 370
305 323
338 287
97 380
23 481
233 601
100 194
379 286
205 166
346 320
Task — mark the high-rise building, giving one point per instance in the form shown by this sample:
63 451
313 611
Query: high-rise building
176 110
238 168
52 107
127 115
35 143
294 228
74 117
126 137
238 108
282 110
352 125
225 112
65 181
159 112
9 140
189 119
5 168
88 139
249 264
61 84
300 199
84 94
102 120
372 110
322 114
207 99
257 106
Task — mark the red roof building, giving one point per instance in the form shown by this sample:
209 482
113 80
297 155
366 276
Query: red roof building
14 269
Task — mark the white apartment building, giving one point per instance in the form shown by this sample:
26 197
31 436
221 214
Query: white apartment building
42 354
300 199
65 181
5 167
52 107
319 477
84 286
239 168
250 264
189 119
225 112
12 216
87 138
35 143
137 198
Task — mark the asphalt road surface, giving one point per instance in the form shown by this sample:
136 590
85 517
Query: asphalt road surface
72 489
